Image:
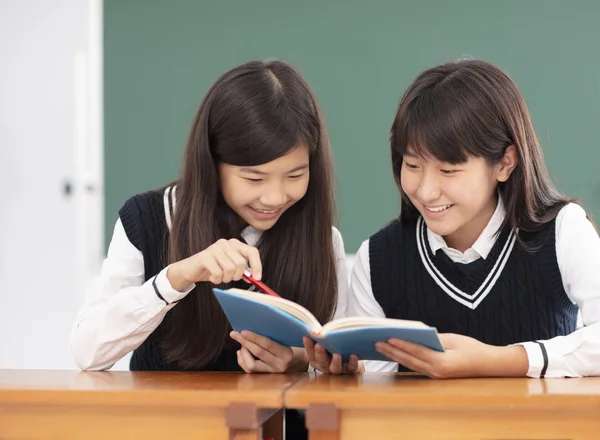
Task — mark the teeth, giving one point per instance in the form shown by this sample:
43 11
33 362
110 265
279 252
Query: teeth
437 208
266 212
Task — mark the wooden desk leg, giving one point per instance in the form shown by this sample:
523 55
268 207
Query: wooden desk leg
245 421
273 427
323 422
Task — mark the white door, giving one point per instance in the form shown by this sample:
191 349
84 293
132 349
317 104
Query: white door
50 174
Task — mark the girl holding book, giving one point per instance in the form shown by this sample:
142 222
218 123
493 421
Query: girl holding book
256 189
485 249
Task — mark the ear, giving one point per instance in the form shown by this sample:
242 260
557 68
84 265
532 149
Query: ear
507 164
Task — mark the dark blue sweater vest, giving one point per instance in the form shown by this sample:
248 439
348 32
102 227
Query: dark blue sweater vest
514 295
143 218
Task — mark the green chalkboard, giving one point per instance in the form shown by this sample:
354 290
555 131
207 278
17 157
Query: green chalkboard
359 56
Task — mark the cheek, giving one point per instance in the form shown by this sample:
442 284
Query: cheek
409 183
482 187
297 190
461 191
235 192
473 191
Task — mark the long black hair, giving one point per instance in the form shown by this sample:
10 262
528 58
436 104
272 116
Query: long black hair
253 114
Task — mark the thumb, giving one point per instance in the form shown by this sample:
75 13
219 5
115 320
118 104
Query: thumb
448 340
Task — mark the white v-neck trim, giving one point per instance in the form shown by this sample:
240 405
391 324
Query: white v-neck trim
468 300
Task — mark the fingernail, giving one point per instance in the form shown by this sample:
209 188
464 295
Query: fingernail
257 276
244 333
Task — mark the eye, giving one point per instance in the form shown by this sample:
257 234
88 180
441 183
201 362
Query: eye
449 172
296 177
252 180
410 166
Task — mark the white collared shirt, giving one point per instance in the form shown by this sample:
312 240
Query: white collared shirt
578 255
121 310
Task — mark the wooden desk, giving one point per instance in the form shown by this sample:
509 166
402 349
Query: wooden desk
412 407
145 405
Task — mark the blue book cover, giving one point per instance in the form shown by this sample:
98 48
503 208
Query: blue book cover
287 322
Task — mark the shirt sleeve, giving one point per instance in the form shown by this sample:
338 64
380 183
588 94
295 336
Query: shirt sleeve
120 310
362 302
343 278
578 255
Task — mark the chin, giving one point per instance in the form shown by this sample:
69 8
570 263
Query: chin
261 226
440 229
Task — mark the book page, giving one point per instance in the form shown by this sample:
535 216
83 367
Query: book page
368 321
290 307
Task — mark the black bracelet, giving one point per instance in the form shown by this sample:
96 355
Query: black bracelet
545 356
156 290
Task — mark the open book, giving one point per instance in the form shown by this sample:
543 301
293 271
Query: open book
286 322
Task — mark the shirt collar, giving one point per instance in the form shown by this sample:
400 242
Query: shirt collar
251 235
484 243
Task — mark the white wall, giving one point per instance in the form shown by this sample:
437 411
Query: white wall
50 134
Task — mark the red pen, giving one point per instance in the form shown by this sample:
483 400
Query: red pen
260 285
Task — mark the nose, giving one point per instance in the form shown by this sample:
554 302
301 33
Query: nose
275 196
429 189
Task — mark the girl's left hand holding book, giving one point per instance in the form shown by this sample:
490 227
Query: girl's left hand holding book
463 357
269 356
324 362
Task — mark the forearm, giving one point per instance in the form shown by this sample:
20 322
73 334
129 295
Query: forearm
107 332
176 274
508 361
112 324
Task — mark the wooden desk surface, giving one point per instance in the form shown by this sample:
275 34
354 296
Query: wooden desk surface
114 388
391 390
149 405
389 406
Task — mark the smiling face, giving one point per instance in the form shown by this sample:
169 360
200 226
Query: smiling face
456 201
459 129
261 194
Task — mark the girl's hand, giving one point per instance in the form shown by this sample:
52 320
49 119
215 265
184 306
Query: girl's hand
222 262
272 357
463 357
321 360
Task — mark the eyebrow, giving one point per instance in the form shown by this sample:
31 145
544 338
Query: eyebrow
262 173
